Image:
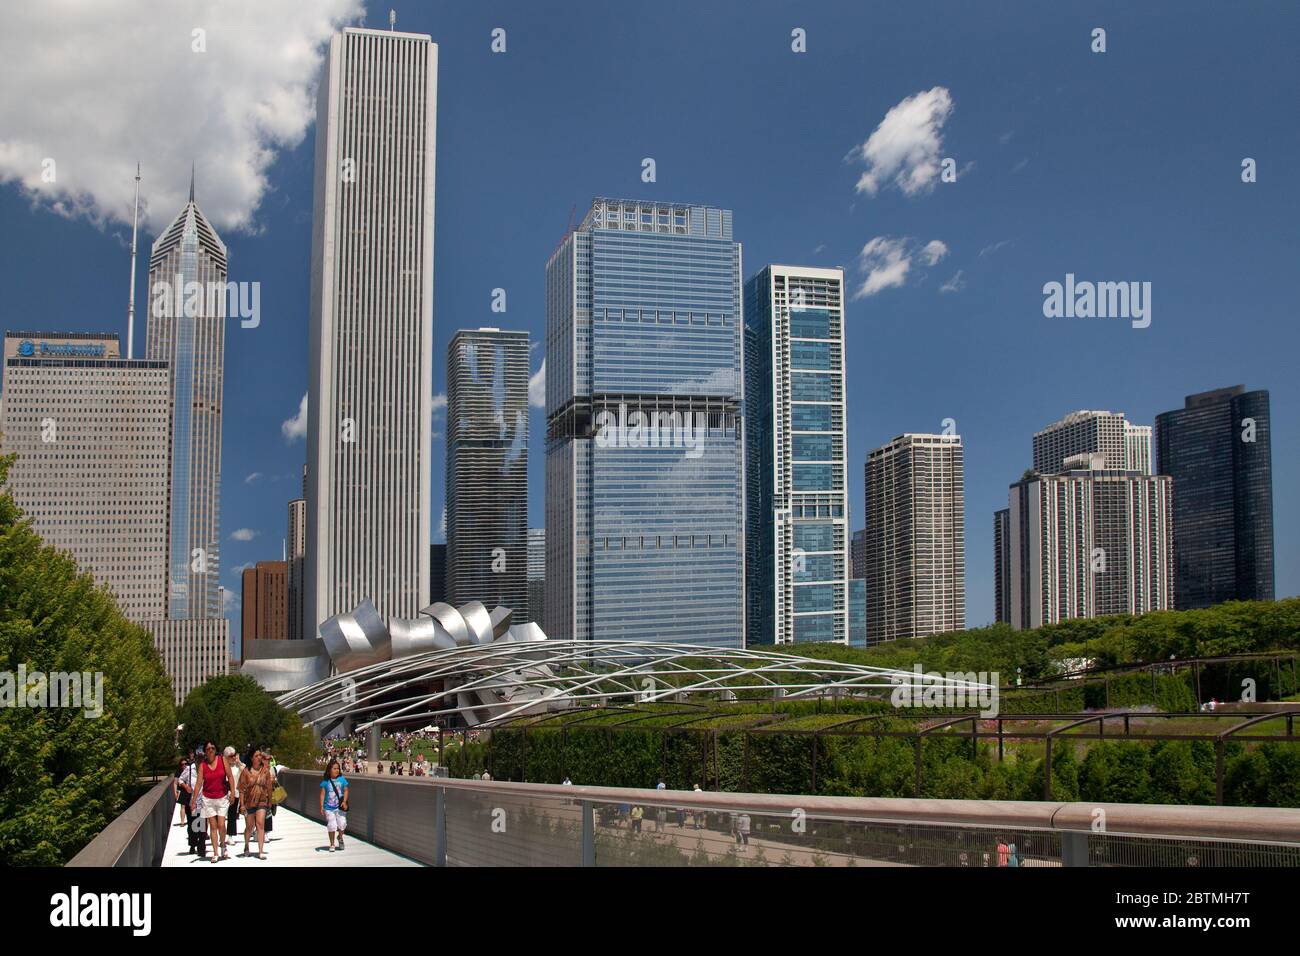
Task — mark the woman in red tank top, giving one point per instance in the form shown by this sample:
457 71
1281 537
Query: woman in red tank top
215 783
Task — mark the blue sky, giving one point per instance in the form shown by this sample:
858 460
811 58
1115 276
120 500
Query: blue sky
1116 166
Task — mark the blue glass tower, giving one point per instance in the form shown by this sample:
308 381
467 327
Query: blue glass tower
644 448
797 531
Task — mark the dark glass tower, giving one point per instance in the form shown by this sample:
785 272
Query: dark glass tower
1218 449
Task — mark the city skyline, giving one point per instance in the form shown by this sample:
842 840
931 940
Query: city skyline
1190 346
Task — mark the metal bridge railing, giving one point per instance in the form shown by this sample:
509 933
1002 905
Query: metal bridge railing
481 823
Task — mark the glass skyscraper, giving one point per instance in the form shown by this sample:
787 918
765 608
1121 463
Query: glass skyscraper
1218 450
797 526
187 330
644 470
487 469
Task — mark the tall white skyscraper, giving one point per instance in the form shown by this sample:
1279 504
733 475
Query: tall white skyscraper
370 402
1127 447
796 447
1088 542
916 538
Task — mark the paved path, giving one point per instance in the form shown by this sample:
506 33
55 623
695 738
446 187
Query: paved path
295 841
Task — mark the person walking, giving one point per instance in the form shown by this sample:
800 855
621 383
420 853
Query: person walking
334 802
214 783
256 784
193 824
637 814
742 830
181 795
232 814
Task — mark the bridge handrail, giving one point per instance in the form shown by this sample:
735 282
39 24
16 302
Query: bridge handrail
137 836
1265 824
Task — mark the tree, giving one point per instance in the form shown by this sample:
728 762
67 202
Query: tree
64 774
233 710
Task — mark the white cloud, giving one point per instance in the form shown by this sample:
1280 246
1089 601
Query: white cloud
933 251
905 148
229 601
440 402
537 388
955 284
989 250
244 534
886 262
1020 165
296 427
108 84
254 478
1006 137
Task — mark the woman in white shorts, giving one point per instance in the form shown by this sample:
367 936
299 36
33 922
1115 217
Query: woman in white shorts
215 783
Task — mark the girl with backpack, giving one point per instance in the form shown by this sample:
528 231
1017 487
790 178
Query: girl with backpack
334 802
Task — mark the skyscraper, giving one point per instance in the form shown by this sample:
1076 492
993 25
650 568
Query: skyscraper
89 429
1088 542
1002 566
537 575
186 328
1127 447
916 543
370 408
858 554
487 468
265 602
297 556
1218 450
796 528
644 458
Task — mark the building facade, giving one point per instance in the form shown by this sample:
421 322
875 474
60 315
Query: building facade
265 601
297 559
537 575
916 537
186 328
1090 542
437 573
796 469
487 468
370 405
89 429
858 554
644 444
1218 450
1127 447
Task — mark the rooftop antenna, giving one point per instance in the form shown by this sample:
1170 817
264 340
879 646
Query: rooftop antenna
392 19
130 311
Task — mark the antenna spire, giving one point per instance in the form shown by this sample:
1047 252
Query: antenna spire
392 19
130 311
191 182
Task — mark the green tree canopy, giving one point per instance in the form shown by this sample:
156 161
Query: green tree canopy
64 775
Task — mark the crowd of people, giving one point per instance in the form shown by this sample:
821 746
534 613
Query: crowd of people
213 789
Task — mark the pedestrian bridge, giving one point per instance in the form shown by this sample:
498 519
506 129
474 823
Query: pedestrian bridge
441 822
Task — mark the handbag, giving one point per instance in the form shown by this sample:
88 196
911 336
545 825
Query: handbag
279 794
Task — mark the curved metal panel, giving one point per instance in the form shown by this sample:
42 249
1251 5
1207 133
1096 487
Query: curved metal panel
479 622
451 620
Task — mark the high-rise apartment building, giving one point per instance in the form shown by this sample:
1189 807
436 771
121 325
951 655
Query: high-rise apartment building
1002 566
487 468
370 367
644 450
1127 447
265 601
296 555
537 575
186 328
1089 542
858 554
796 481
89 429
1218 450
916 543
437 573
